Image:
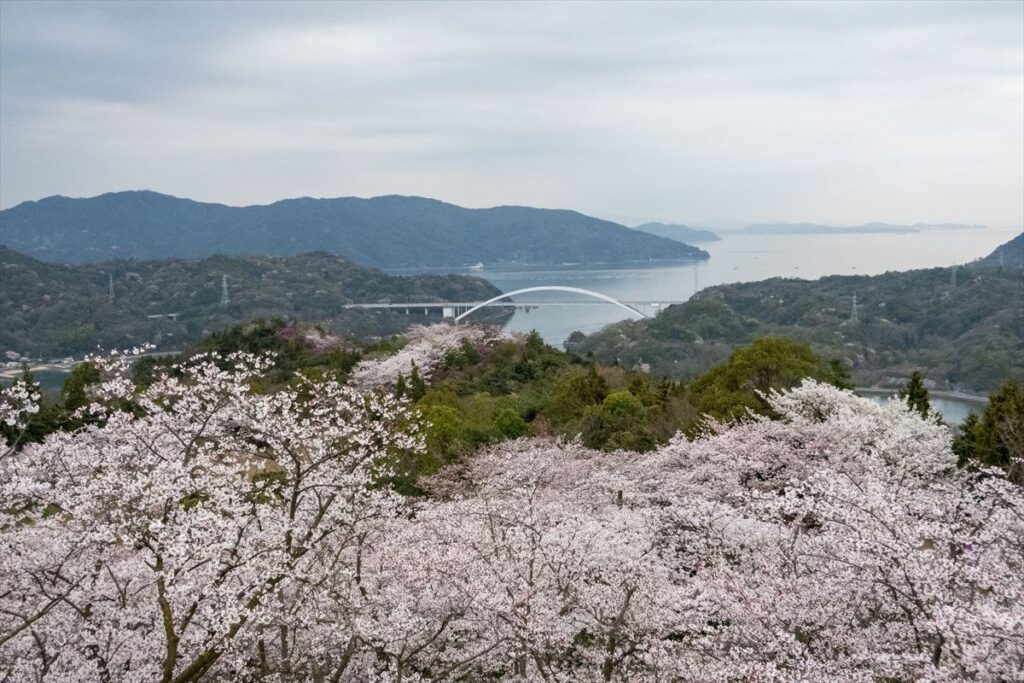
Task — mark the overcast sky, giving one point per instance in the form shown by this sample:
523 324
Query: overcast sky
839 113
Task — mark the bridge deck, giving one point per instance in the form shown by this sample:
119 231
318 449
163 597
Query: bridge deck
516 304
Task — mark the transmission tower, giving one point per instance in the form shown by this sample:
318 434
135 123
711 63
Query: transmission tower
853 316
110 288
224 298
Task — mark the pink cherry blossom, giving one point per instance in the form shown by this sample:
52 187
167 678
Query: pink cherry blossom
200 530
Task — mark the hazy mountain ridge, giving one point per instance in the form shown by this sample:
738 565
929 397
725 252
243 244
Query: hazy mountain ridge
959 328
387 231
681 233
56 310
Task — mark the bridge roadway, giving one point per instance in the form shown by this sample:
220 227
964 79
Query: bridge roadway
508 304
453 309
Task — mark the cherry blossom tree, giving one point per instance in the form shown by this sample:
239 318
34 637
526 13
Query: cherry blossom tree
425 349
193 532
202 531
838 543
19 401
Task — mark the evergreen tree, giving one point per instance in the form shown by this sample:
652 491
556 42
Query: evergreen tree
469 352
27 378
535 345
966 437
997 437
916 394
664 390
417 387
400 388
837 374
73 393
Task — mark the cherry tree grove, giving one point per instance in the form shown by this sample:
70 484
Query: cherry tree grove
199 530
425 349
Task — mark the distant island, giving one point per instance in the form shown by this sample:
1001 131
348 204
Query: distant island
867 228
50 311
681 233
383 232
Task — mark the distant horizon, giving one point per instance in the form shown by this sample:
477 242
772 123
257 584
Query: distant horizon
724 225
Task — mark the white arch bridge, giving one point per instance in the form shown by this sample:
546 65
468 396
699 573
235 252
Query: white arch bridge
457 310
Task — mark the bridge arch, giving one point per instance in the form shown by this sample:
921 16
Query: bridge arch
554 288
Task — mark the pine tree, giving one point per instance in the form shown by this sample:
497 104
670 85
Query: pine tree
916 394
837 374
417 387
400 388
997 437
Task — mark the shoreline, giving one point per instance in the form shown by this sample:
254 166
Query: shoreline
954 395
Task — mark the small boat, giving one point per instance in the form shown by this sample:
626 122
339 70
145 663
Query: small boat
478 266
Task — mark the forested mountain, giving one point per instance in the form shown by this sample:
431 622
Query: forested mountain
1010 254
680 233
56 310
389 231
965 330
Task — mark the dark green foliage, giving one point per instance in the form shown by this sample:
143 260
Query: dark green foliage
447 434
574 393
968 440
469 352
620 422
145 369
916 394
74 394
508 424
516 389
728 391
837 374
383 231
52 310
417 387
997 437
968 336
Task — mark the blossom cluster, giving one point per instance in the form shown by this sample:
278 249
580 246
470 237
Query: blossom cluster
425 350
19 401
208 532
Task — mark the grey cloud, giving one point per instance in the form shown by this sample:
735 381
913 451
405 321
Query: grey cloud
841 112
